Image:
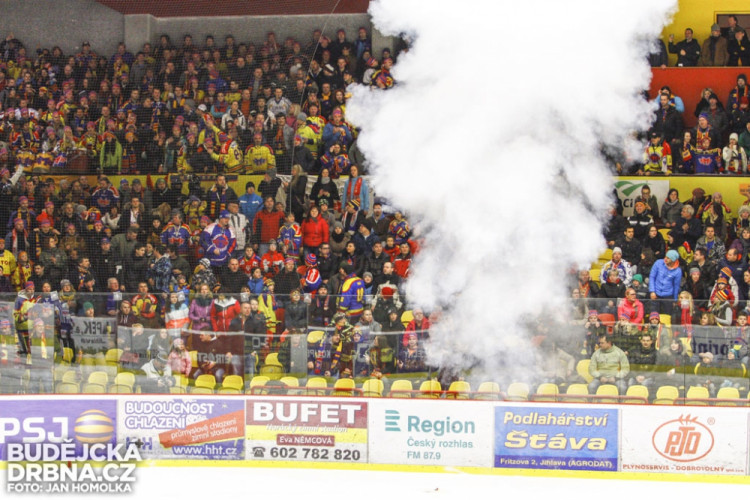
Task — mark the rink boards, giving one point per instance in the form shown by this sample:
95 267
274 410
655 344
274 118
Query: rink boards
678 442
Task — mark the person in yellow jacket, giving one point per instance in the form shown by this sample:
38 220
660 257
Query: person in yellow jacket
259 157
230 154
310 133
7 260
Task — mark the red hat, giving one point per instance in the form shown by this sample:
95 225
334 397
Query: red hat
387 291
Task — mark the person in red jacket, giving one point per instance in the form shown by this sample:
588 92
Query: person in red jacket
403 261
420 326
223 311
266 224
315 231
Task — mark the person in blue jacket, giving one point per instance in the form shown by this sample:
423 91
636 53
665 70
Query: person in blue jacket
664 282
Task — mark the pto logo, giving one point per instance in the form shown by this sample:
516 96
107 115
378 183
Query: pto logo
392 418
683 440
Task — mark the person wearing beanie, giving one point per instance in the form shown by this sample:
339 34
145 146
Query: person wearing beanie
623 267
735 158
714 50
641 290
250 202
739 91
664 283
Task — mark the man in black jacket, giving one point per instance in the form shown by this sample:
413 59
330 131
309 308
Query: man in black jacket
688 51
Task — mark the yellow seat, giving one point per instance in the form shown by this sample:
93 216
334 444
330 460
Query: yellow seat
194 358
372 388
728 396
59 371
207 381
201 390
177 389
67 388
697 395
291 383
344 387
488 391
636 394
430 389
68 354
459 389
113 356
517 391
580 390
401 389
256 385
228 390
99 377
120 389
665 319
181 379
607 393
125 378
232 382
70 376
271 367
406 317
546 392
272 359
99 359
582 369
666 395
595 274
91 388
606 255
316 383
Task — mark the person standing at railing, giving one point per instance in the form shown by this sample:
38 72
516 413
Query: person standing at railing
664 283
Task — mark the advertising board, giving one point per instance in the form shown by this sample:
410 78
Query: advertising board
319 430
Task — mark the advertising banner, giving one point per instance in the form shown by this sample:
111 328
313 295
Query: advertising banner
184 428
93 334
430 433
53 420
685 440
556 437
315 430
629 190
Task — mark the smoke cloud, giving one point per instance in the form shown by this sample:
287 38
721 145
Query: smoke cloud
491 144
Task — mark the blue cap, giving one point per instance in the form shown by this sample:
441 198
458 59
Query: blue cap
224 213
673 255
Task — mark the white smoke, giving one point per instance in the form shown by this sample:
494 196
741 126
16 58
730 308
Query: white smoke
491 144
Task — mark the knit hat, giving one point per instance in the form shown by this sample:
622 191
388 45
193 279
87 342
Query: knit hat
29 284
288 260
638 278
695 270
268 282
205 262
722 294
722 281
673 255
224 214
387 291
354 203
205 218
715 27
271 172
302 117
653 315
161 356
593 312
706 355
311 260
734 136
338 224
725 272
617 250
87 306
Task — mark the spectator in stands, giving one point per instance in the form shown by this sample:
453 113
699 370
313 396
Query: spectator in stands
671 209
608 365
714 49
664 282
412 358
735 159
688 50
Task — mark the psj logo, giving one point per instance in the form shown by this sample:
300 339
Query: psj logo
683 439
90 426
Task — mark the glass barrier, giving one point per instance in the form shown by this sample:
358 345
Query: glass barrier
620 352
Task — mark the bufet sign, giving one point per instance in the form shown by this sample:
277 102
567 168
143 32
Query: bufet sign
684 440
424 432
314 430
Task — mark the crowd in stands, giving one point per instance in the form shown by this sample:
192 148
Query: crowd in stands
720 142
670 302
178 267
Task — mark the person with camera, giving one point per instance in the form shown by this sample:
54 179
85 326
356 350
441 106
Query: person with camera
158 374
